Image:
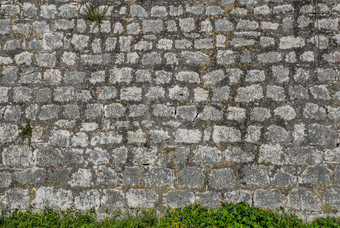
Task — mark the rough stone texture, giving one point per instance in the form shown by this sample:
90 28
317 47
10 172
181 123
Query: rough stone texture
171 103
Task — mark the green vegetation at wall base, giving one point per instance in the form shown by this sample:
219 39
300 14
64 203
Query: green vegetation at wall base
228 215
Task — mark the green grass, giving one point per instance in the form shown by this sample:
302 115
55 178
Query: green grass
93 13
228 215
25 133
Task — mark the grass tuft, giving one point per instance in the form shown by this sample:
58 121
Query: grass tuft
26 133
93 13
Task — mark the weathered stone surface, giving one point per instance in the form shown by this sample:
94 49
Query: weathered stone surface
302 199
158 177
207 155
238 196
17 156
179 198
191 178
16 198
113 198
53 198
321 135
226 134
141 198
222 178
268 198
319 175
188 136
255 175
249 93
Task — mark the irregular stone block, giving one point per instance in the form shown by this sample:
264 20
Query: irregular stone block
238 196
188 136
87 200
226 134
31 176
141 198
322 135
179 198
191 177
271 199
304 200
277 134
271 153
195 58
209 199
222 179
98 156
105 138
289 42
225 57
81 178
107 176
57 199
317 174
187 112
48 156
303 156
213 77
236 154
158 176
153 26
188 76
255 175
113 198
16 156
211 113
249 93
16 199
144 156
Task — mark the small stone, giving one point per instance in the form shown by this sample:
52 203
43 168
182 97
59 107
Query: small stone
271 154
222 179
187 24
249 93
255 175
153 26
188 136
188 76
277 134
285 112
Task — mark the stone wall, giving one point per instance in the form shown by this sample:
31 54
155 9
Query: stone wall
171 103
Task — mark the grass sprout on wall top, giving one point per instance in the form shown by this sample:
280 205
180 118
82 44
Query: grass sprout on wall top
26 133
94 14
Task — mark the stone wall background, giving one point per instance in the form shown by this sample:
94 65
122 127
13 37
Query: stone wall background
173 103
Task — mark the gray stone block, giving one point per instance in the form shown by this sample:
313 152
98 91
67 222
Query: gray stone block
152 58
298 92
188 136
4 26
179 198
52 41
283 179
209 199
16 198
71 111
236 154
31 176
331 197
107 176
303 200
113 198
46 60
191 177
144 156
114 110
211 113
141 198
222 179
22 94
98 156
58 176
316 175
87 200
81 178
5 179
131 176
322 135
223 25
221 94
17 156
74 77
277 134
12 113
195 58
47 156
226 134
57 199
205 155
249 93
255 175
238 196
60 138
153 26
93 110
9 74
271 199
225 57
159 177
138 11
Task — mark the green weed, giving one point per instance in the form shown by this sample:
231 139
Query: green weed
228 215
26 133
93 13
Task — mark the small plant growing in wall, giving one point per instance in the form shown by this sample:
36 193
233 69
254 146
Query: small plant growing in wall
26 133
94 14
